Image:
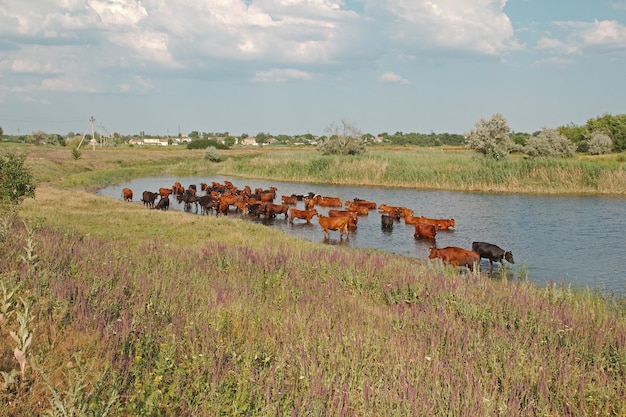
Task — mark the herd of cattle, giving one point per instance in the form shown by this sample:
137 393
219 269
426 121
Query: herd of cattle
342 217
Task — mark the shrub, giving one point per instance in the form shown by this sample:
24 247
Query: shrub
599 143
491 137
16 181
342 140
549 142
211 153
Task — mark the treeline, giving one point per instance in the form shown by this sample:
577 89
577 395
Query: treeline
606 133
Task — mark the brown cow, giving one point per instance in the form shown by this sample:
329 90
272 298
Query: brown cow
443 224
333 223
456 256
309 203
127 194
411 220
271 210
178 188
327 201
358 202
289 199
358 209
164 192
395 211
426 231
352 217
302 214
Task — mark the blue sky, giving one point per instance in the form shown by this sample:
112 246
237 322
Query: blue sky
299 66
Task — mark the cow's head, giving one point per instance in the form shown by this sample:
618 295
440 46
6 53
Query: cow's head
508 255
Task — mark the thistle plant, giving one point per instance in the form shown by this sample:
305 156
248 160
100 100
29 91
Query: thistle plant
30 258
82 397
6 302
23 337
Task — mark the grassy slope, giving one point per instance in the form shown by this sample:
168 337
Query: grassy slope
209 316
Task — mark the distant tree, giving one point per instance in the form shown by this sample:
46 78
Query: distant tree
599 143
344 139
520 138
1 131
194 135
262 138
38 137
549 142
578 135
229 141
491 137
613 126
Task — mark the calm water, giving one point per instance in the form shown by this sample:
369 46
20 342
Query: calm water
576 239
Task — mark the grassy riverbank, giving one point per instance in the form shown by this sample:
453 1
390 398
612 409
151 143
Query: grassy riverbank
166 313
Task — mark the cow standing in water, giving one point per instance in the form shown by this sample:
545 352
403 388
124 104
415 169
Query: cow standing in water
127 194
492 252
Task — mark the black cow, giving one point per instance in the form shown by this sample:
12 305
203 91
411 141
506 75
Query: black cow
149 198
207 202
387 221
492 252
189 198
163 204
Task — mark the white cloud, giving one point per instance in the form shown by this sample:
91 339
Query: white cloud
478 26
281 75
586 37
392 78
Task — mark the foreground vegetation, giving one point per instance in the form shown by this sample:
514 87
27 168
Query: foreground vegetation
139 312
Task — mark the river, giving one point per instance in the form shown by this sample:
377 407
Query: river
574 239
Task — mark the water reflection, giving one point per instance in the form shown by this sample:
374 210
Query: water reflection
577 239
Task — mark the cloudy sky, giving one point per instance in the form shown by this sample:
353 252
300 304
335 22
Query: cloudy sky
298 66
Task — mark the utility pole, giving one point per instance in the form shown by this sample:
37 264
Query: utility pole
93 137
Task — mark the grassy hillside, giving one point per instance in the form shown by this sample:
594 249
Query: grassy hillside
139 312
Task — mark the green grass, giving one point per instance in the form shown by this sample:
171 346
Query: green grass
142 312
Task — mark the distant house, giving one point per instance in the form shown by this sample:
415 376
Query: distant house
249 141
149 141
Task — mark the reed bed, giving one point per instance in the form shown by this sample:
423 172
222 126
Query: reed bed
436 169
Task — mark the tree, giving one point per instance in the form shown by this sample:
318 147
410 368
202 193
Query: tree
1 131
16 181
599 143
344 139
549 142
491 137
576 134
613 126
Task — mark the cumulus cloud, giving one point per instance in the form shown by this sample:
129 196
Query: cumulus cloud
392 78
479 26
586 37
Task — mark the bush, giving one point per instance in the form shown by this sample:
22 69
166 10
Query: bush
491 137
549 142
212 154
342 140
599 143
16 181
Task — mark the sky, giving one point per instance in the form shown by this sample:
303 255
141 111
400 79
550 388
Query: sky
292 67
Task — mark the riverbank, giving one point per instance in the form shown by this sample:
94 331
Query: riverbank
143 312
416 168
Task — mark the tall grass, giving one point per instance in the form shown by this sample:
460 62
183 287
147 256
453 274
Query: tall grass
435 169
292 328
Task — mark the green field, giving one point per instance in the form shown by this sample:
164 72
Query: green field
138 312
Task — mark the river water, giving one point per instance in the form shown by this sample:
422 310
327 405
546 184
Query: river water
572 239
